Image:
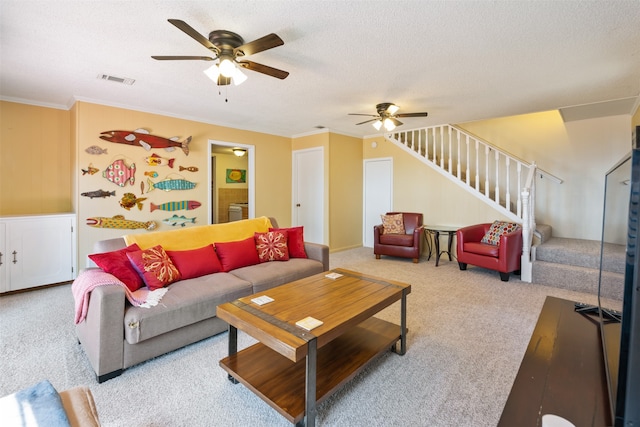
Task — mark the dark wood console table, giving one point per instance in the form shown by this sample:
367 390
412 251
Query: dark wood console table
562 372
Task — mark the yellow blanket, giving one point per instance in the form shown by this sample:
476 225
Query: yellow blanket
197 237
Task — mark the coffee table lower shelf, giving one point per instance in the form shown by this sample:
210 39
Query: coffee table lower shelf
281 382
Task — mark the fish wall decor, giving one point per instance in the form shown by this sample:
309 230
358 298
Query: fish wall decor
89 170
155 160
169 184
119 173
95 150
142 138
98 193
182 220
130 200
152 174
176 206
119 221
188 168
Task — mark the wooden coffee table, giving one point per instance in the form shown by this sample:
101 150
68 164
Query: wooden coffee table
293 369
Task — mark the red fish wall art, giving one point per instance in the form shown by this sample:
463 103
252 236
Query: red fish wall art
142 138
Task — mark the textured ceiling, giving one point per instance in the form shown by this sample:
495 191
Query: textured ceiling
460 61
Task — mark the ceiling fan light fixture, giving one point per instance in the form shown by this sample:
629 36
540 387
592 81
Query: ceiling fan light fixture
227 67
377 124
389 125
392 109
239 152
238 76
213 72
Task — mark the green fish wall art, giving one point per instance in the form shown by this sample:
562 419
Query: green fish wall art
170 184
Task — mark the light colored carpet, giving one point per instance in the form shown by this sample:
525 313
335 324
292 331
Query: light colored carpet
467 334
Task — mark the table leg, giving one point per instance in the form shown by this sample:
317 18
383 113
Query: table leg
437 245
450 241
427 238
403 323
310 394
233 347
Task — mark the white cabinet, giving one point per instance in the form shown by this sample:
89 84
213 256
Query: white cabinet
36 250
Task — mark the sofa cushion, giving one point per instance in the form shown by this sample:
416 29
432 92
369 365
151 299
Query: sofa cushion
196 262
155 267
497 229
270 274
295 241
393 224
397 239
482 249
186 302
272 246
237 254
117 264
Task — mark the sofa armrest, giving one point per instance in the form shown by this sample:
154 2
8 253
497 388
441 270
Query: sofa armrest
80 407
101 333
319 253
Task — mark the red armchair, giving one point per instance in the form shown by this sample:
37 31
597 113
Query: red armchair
406 245
504 257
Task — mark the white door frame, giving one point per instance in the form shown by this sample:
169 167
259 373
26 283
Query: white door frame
294 189
366 231
251 166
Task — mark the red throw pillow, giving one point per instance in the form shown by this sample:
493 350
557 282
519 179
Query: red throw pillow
295 241
237 254
118 264
195 262
272 246
155 266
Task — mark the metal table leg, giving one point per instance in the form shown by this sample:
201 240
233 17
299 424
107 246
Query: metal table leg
233 347
310 394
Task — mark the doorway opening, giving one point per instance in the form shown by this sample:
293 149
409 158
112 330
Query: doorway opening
231 182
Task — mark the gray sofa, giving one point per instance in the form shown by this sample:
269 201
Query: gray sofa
116 335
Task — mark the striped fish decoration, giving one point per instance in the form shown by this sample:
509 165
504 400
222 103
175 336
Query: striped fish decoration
171 184
120 222
176 206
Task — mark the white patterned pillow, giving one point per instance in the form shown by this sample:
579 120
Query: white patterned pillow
393 224
497 229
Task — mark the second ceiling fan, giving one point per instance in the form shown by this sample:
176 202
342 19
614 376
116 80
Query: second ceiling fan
230 48
387 116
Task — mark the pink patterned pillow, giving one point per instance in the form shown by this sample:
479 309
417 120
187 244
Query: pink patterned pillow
497 229
272 246
155 267
393 224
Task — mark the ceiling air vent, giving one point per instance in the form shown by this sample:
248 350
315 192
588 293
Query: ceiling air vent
122 80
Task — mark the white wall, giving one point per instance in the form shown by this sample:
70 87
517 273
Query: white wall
578 152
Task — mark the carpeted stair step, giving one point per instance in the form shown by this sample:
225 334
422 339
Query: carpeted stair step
577 278
582 253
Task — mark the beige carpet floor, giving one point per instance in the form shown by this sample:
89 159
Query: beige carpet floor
467 334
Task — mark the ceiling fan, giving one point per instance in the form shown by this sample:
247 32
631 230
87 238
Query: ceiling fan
229 48
387 116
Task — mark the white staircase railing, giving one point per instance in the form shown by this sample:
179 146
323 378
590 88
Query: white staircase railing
500 179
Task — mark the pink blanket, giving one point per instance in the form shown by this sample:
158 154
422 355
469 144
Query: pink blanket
90 279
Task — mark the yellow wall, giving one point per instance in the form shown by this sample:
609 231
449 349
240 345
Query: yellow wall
35 160
345 192
273 168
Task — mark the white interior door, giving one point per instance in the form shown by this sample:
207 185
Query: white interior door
308 193
378 195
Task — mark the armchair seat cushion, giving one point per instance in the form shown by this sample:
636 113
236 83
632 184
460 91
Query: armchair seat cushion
397 239
482 249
